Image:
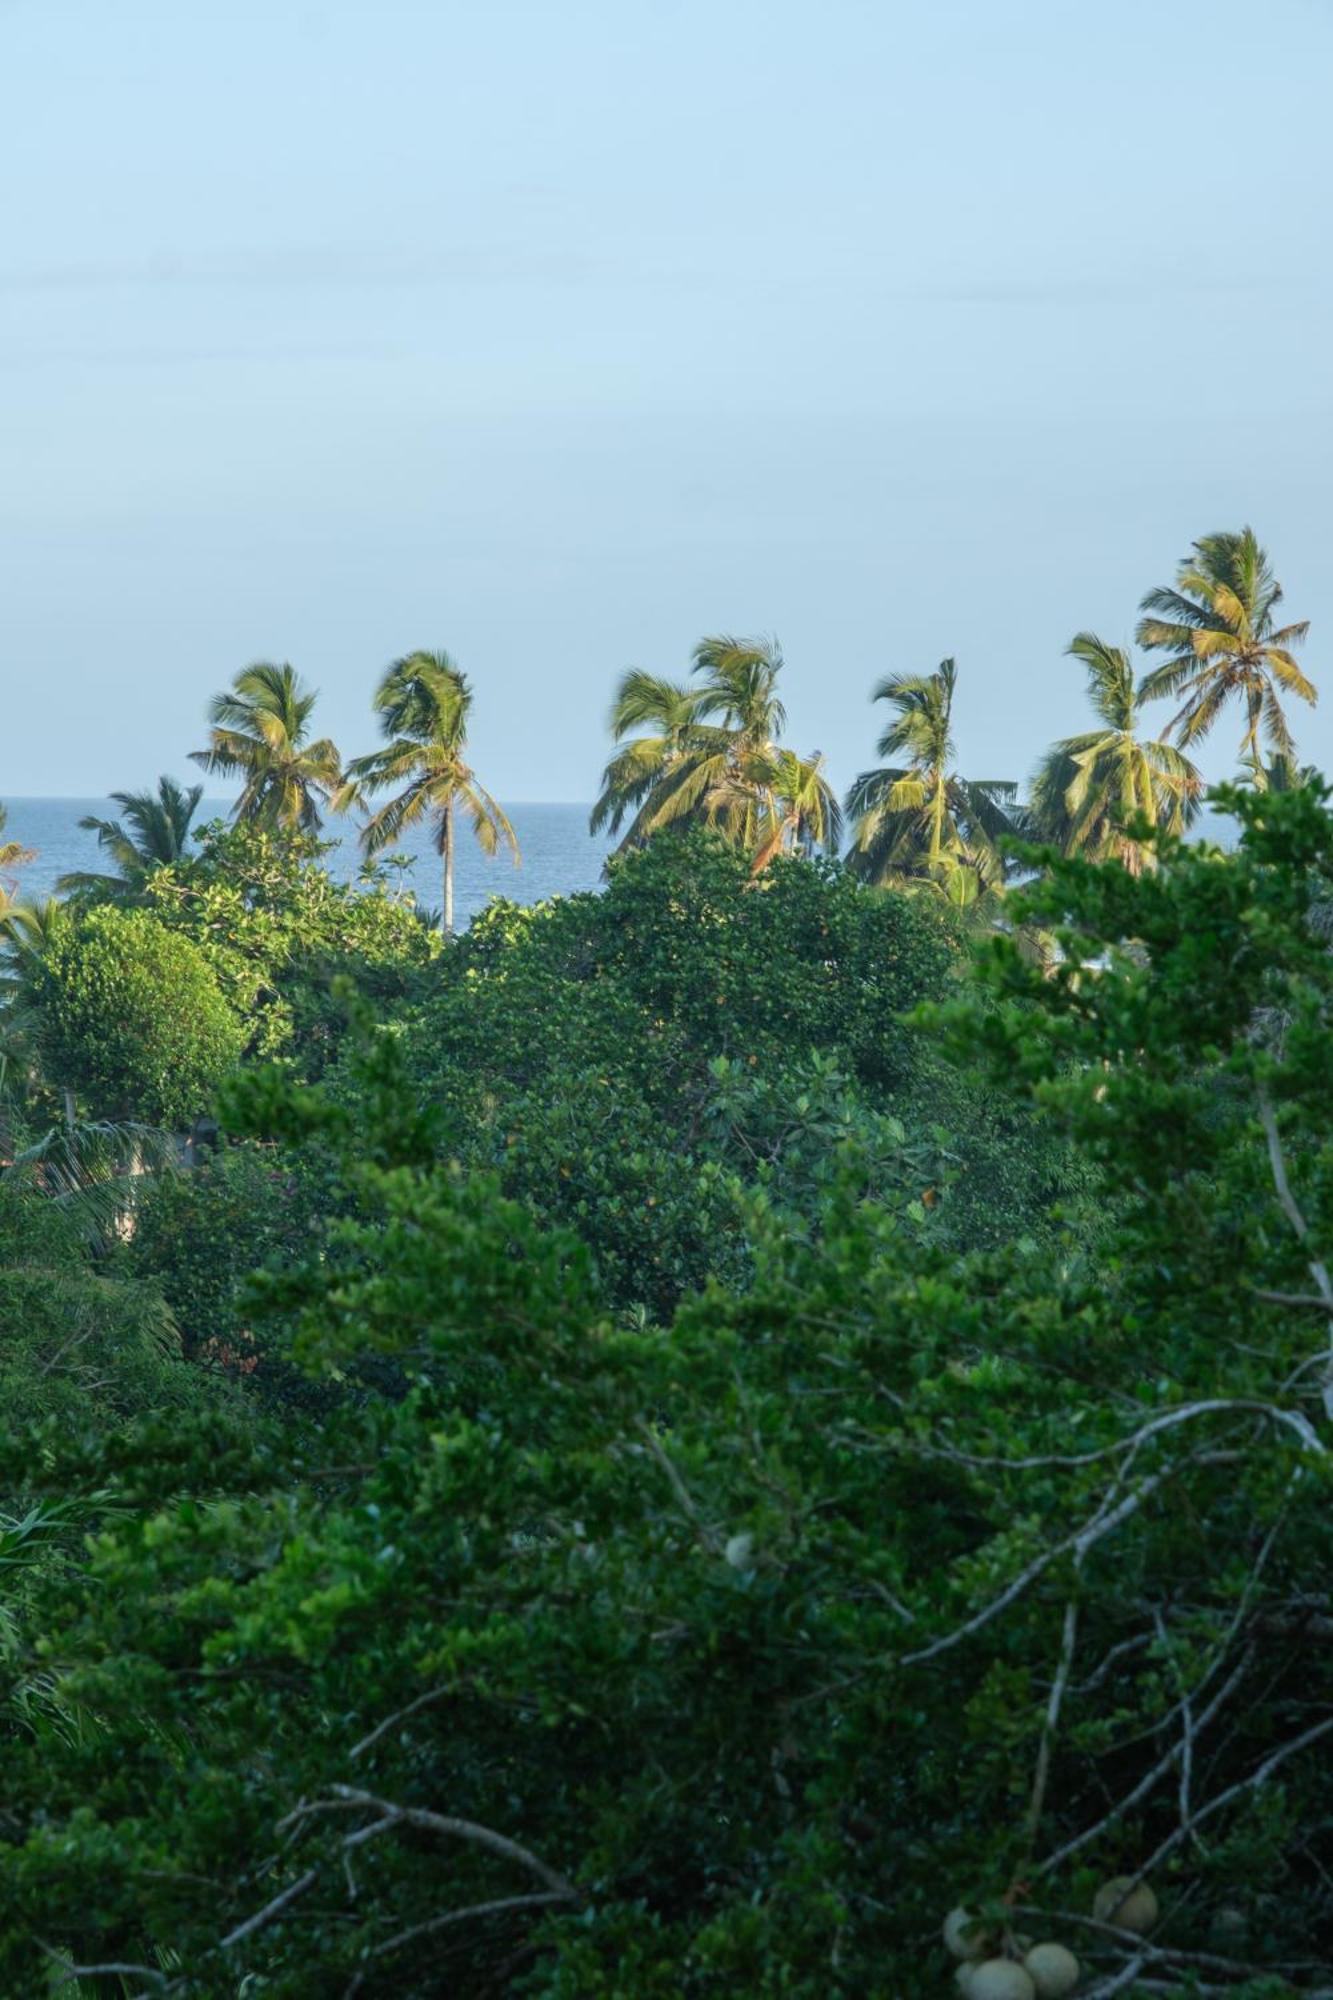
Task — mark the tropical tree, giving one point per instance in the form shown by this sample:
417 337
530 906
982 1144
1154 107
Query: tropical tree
12 855
1088 788
711 757
916 817
1218 626
153 834
261 733
423 702
803 811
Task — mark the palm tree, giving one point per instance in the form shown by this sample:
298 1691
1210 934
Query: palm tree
652 776
1217 625
423 702
916 818
803 811
711 757
12 855
260 732
1088 788
153 834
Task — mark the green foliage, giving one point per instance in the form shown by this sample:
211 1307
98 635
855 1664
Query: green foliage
907 1564
279 932
131 1016
629 1063
197 1236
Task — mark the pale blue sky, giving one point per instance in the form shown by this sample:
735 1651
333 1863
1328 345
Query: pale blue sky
559 334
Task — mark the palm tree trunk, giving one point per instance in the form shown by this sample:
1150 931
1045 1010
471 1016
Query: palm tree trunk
447 847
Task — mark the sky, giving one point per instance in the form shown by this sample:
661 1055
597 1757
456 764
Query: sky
560 335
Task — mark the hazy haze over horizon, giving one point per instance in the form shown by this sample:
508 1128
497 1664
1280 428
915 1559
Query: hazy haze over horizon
560 336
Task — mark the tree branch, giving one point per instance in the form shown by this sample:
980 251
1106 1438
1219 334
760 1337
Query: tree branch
271 1910
543 1900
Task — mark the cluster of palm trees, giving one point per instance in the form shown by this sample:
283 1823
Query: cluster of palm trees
261 733
707 751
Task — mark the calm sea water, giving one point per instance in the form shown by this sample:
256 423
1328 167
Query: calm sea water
559 855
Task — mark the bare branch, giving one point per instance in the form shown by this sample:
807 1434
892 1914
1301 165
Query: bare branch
1169 1419
1068 1640
543 1900
1258 1777
271 1910
1150 1780
457 1829
1291 1209
400 1715
1102 1523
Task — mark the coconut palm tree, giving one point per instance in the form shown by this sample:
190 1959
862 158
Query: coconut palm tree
651 779
261 729
916 817
1088 788
803 813
154 833
1218 627
423 701
12 855
710 756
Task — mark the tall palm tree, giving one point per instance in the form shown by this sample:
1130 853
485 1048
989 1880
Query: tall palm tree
261 732
423 702
154 833
1217 624
1088 788
711 757
916 817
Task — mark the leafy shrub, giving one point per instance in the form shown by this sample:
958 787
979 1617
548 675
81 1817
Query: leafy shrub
132 1017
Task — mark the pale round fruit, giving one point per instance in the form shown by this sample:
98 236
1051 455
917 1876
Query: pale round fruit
962 1978
1129 1905
1054 1970
1000 1979
965 1935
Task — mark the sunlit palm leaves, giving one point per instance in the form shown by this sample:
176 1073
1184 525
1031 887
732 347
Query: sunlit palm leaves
707 754
12 855
153 833
1088 788
261 734
916 817
1217 625
423 702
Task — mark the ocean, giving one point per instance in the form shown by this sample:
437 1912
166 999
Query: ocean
558 854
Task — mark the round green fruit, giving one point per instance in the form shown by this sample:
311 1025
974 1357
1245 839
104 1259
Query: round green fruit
1054 1970
965 1935
1127 1903
1000 1979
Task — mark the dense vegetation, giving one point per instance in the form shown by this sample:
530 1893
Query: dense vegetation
673 1442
